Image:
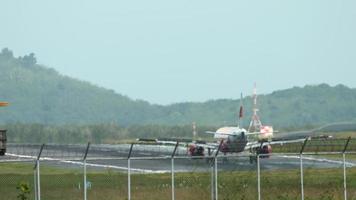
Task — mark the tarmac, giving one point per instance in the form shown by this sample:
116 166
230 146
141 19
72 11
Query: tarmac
157 159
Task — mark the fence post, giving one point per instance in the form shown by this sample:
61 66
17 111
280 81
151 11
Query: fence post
35 182
85 170
216 177
129 173
344 163
37 169
301 169
301 176
258 177
172 170
212 183
38 180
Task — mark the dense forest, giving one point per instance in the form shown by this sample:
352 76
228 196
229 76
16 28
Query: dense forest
100 133
113 133
46 102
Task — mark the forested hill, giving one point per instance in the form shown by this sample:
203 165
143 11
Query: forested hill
41 95
38 94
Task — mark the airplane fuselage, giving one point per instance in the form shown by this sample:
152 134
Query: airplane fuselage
234 139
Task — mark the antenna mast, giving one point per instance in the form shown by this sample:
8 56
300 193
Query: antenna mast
255 124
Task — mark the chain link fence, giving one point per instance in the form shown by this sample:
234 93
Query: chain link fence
13 174
126 172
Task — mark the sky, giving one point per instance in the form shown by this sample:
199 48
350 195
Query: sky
176 51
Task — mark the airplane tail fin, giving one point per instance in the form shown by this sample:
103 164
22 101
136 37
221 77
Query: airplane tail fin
241 113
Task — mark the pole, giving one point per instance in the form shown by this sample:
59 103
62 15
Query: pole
301 176
301 168
129 178
344 162
37 169
129 173
345 191
258 178
38 180
172 171
85 179
35 183
212 183
216 177
85 170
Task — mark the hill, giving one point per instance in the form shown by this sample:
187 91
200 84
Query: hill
39 94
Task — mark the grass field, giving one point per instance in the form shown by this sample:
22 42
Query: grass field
66 184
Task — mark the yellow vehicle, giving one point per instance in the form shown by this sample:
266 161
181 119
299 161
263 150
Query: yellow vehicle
2 104
3 138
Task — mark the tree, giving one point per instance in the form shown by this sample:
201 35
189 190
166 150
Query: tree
6 53
29 60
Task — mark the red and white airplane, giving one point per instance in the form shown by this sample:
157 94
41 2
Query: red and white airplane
234 139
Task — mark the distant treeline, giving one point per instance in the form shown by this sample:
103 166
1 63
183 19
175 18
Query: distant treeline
101 133
105 133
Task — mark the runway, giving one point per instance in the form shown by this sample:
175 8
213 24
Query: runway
156 159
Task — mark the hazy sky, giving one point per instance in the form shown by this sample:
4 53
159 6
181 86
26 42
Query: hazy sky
187 50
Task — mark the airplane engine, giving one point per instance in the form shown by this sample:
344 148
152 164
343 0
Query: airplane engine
195 150
224 148
266 149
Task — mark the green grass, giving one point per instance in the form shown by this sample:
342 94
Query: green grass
66 183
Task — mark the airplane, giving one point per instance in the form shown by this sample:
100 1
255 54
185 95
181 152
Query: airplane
231 139
235 139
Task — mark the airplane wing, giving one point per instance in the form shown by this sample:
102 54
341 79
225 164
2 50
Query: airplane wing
220 133
210 132
193 147
256 144
181 141
333 127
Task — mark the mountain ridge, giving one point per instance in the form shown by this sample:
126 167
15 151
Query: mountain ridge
39 94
